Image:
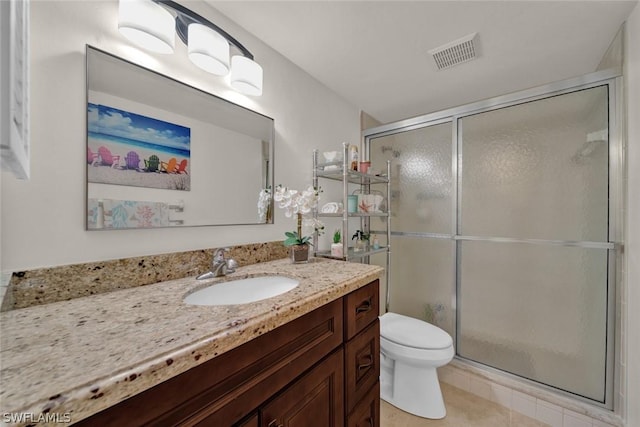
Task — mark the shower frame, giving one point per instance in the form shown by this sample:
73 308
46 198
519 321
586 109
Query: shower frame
613 80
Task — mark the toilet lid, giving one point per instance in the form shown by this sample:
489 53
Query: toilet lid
412 332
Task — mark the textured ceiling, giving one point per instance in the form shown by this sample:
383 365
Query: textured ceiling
374 53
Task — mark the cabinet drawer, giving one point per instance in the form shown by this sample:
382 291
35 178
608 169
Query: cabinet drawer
362 364
361 308
367 411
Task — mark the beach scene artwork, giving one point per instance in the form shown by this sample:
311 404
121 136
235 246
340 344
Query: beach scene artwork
125 148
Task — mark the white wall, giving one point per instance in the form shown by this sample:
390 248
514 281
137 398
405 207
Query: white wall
43 218
632 301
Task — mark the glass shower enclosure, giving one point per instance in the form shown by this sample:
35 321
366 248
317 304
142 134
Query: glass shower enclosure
505 230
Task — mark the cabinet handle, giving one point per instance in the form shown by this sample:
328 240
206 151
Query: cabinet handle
371 421
274 423
367 364
364 307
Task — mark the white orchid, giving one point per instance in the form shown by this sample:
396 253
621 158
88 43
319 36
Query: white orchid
314 223
298 203
294 202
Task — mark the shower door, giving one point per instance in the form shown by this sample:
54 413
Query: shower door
533 233
504 218
422 222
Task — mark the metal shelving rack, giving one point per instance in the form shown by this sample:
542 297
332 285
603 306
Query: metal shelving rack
340 171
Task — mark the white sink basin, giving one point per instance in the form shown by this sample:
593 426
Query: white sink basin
242 291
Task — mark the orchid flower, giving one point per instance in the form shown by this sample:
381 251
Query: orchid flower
298 203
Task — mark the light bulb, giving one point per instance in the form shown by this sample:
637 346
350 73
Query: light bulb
208 49
246 76
147 24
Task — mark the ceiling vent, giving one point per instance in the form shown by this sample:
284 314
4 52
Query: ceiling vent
455 52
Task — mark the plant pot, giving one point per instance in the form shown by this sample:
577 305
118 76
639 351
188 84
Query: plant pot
336 250
299 254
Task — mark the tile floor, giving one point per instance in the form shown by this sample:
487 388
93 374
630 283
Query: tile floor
463 410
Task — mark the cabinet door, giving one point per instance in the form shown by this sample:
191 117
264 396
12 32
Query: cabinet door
362 364
367 412
316 399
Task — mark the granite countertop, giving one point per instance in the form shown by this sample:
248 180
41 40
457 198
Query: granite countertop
75 358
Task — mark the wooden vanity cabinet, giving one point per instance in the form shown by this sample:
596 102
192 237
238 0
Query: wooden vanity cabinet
367 412
362 356
252 421
304 373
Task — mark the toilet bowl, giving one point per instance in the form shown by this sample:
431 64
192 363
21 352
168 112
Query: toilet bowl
410 352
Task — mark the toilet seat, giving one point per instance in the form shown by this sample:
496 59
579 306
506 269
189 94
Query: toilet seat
416 356
409 332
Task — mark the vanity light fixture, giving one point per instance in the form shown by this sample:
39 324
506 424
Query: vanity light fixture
208 49
147 25
152 25
246 76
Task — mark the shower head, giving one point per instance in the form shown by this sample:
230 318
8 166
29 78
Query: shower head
385 148
594 139
598 136
588 148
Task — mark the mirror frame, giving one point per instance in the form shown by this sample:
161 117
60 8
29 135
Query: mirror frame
269 179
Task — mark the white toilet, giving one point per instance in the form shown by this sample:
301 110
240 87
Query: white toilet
410 352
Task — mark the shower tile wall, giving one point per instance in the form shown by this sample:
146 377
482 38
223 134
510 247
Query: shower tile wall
548 409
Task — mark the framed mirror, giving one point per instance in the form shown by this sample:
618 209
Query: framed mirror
161 153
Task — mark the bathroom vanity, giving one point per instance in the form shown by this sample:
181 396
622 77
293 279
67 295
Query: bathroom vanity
307 357
311 371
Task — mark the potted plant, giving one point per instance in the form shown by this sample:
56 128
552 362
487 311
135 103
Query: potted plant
299 246
362 240
298 203
336 246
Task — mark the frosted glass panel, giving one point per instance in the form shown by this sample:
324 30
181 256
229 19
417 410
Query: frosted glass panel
421 177
535 170
536 311
422 280
538 170
381 260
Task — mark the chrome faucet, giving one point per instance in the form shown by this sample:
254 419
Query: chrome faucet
220 266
